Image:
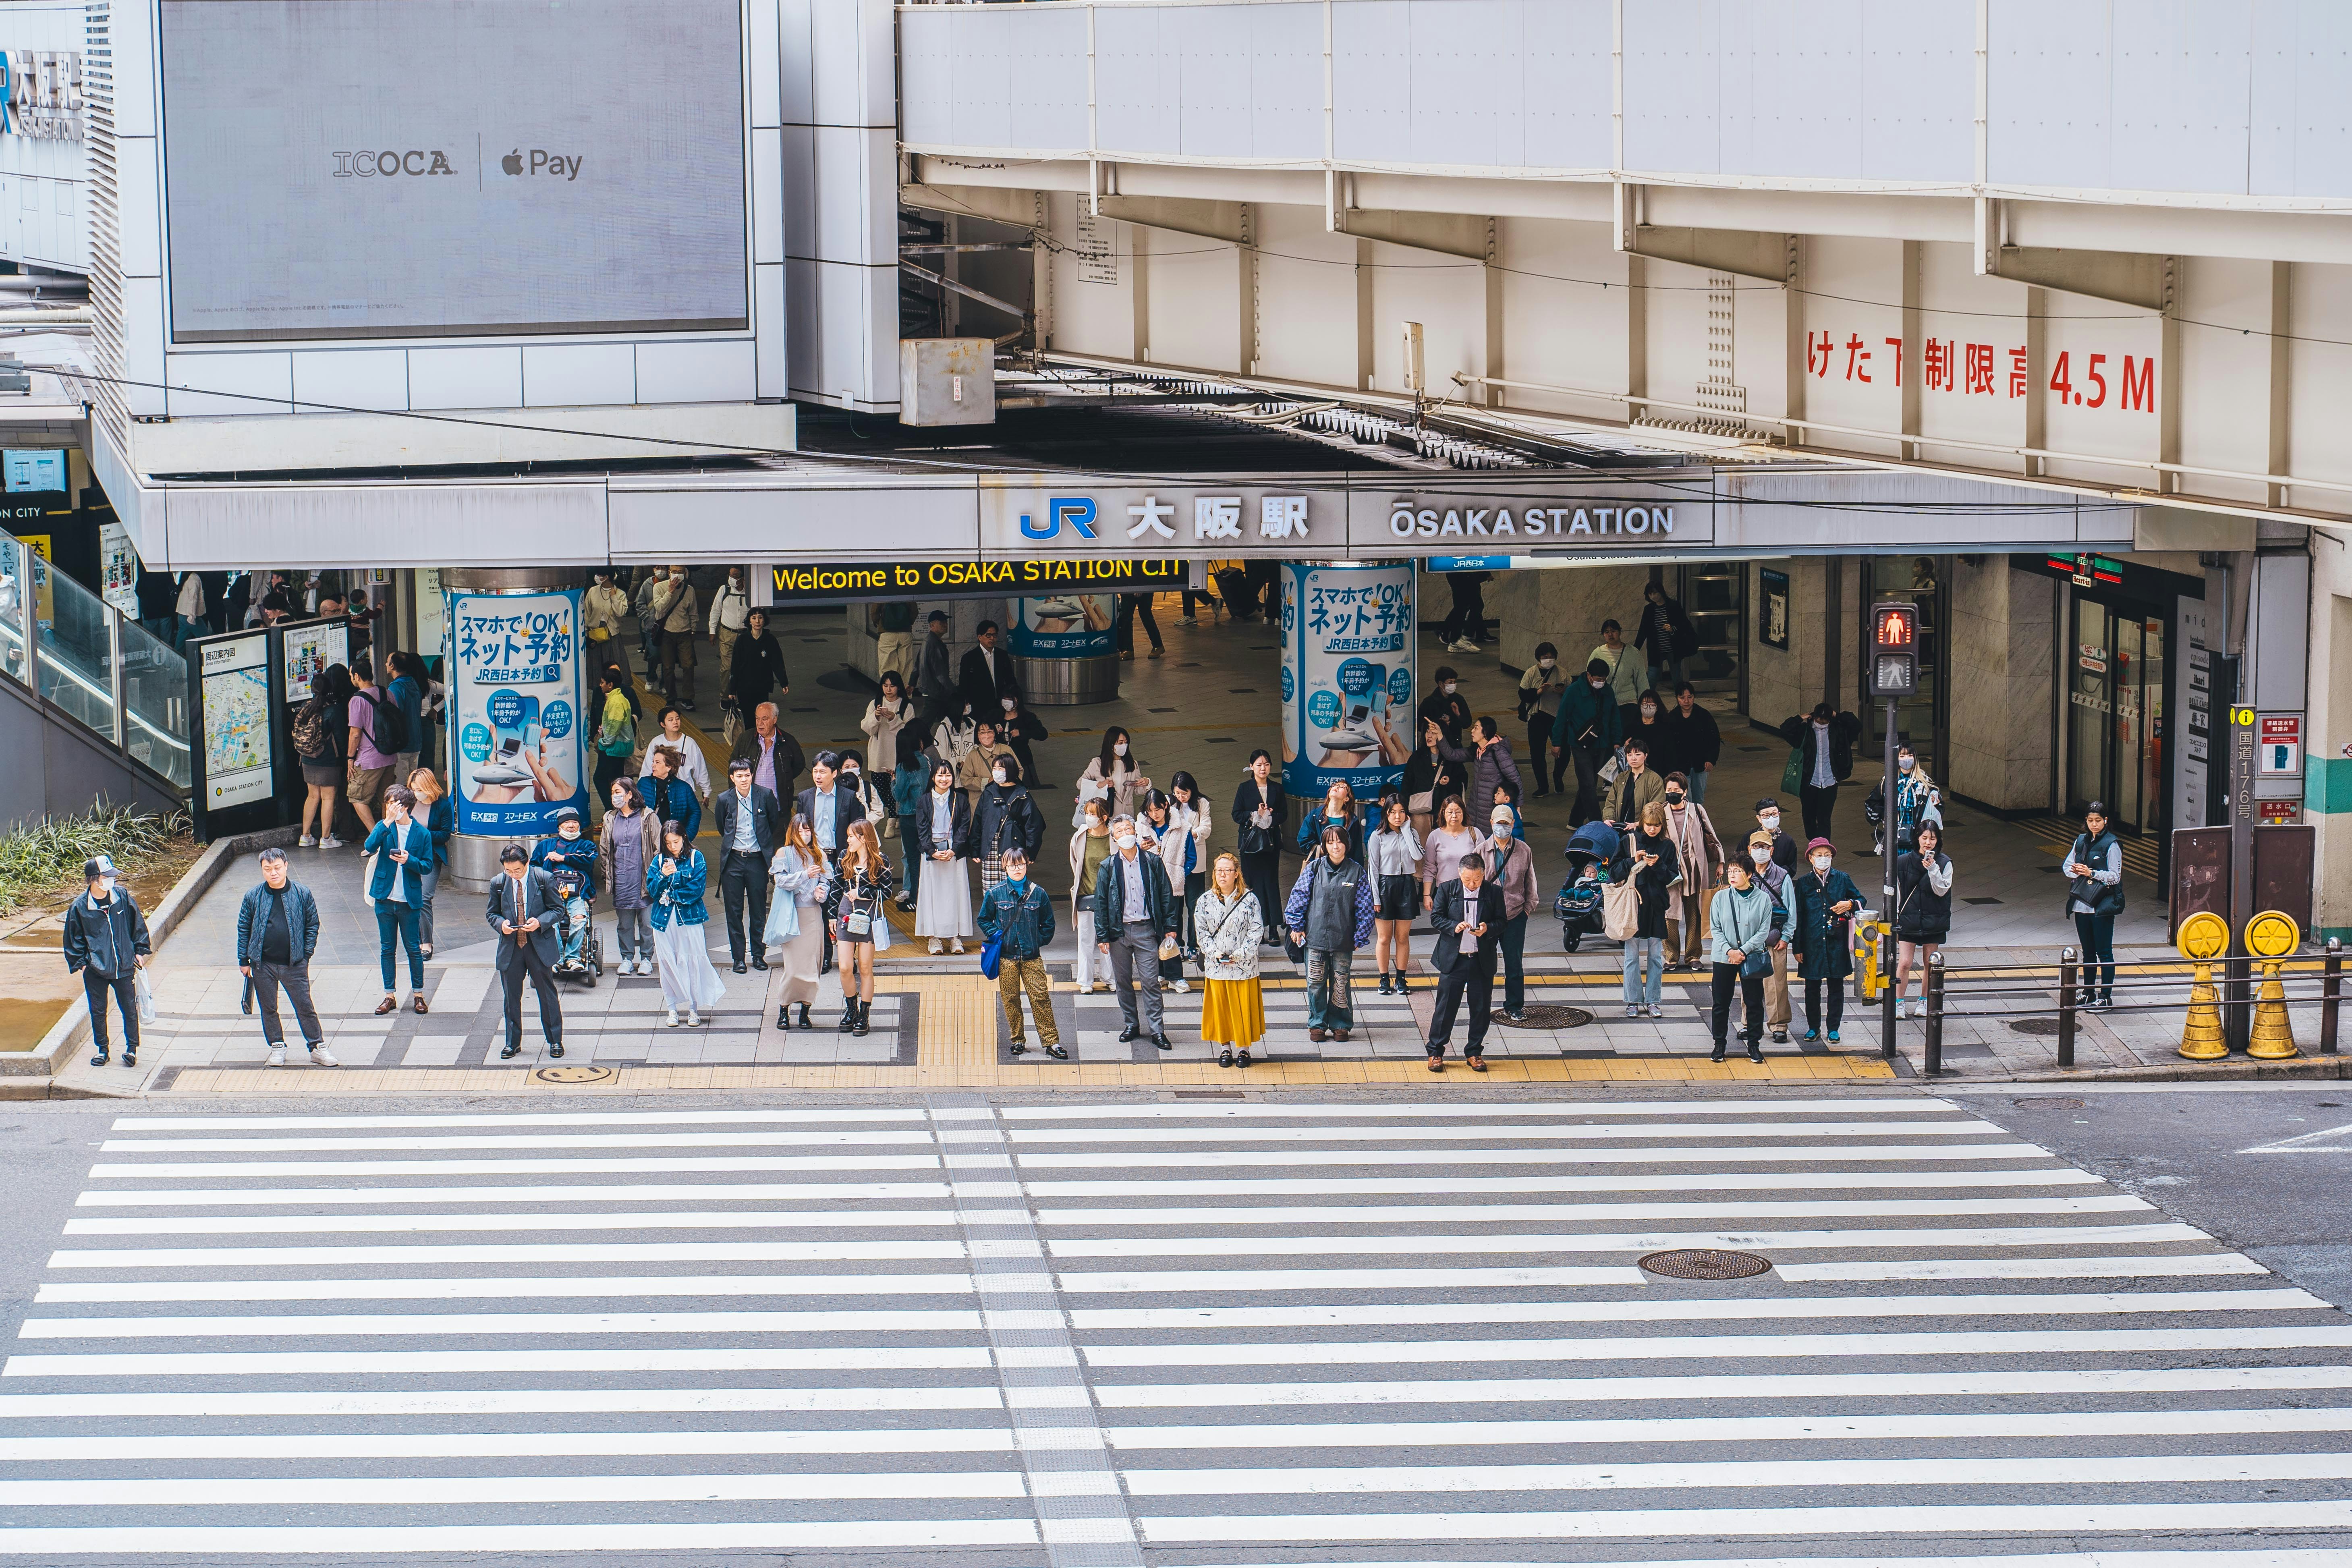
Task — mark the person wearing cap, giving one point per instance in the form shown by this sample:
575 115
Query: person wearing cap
1585 729
277 932
1018 914
1779 885
1826 899
1511 876
570 850
1786 853
525 915
602 610
106 944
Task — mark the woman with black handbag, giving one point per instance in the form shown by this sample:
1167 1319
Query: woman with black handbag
1744 922
853 903
1260 816
1923 913
2095 898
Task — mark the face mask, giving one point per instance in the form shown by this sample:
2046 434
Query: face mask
620 802
105 887
1545 663
675 576
1760 856
1502 828
996 774
1127 841
1820 862
1770 821
1674 794
1906 763
1649 709
1119 750
1597 685
1447 689
568 831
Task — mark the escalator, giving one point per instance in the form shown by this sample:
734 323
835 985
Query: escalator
92 705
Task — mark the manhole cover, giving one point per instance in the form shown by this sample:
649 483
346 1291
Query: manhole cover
2034 1025
1701 1264
582 1073
1547 1016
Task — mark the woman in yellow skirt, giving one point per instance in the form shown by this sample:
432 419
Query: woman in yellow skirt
1227 922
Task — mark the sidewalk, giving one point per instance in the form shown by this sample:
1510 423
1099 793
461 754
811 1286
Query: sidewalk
935 1021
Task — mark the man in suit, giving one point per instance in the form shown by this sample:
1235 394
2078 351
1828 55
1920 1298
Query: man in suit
994 694
526 914
1468 917
774 755
750 824
830 806
1134 908
934 681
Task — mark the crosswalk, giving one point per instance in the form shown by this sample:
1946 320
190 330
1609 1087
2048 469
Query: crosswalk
1213 1334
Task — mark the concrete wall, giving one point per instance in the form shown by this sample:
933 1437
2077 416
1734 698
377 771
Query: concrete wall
1563 607
1783 683
1999 652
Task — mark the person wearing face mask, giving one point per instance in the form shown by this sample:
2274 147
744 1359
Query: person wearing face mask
1647 859
673 606
1822 741
1260 813
852 777
1446 706
1539 692
977 766
1585 729
1916 801
1018 915
1786 852
1701 853
1005 819
1649 728
1089 846
1134 909
1468 931
1110 777
1329 914
1486 765
616 732
730 612
831 806
1745 922
106 944
1511 876
570 861
1627 671
1826 899
628 843
943 840
1923 913
1779 885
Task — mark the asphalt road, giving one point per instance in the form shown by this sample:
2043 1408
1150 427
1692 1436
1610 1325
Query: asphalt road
1195 1333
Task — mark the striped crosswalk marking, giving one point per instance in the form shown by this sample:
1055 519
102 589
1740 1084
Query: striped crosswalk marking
1212 1335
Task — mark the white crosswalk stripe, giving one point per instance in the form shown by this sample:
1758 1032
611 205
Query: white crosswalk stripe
1400 1333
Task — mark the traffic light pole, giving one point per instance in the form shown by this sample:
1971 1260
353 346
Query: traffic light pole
1892 1003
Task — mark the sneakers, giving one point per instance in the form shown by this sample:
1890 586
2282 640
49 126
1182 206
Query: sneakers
331 842
278 1056
938 947
1181 985
1657 1012
1462 644
307 841
1633 1012
956 946
669 1019
693 1019
320 1058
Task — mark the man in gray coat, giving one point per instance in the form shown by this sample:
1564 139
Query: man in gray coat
527 913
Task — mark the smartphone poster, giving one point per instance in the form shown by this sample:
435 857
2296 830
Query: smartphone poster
515 699
1348 675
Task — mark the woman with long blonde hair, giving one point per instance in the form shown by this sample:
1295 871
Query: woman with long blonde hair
853 899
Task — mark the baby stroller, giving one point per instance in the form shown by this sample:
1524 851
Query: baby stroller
1589 851
583 958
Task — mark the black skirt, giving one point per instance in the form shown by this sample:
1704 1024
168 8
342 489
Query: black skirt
1400 898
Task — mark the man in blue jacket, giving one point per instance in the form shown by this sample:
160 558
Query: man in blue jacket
277 932
1018 915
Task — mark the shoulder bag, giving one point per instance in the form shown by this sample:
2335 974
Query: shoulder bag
1620 911
1792 774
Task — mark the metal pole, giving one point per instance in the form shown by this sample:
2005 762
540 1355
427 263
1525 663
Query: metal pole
1933 1061
116 686
2238 1015
1892 1006
2067 1008
2331 987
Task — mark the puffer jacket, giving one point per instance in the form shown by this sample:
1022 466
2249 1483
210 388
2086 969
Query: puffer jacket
1228 930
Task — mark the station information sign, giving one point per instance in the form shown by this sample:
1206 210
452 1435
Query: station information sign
1035 577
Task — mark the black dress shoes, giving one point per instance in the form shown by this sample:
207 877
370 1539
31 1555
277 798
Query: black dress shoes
1161 1041
758 962
739 966
555 1047
1128 1034
509 1053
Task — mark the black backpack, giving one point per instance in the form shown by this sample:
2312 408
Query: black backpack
391 727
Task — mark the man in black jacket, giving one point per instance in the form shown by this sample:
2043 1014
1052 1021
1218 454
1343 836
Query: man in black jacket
106 944
1824 742
750 823
831 806
277 932
1694 744
1468 919
772 752
1134 908
1665 637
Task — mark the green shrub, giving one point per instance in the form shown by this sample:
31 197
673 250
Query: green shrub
37 857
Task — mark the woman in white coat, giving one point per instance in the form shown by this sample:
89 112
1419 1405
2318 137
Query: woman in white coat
885 717
1189 871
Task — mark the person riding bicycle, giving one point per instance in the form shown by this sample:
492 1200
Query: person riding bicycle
570 861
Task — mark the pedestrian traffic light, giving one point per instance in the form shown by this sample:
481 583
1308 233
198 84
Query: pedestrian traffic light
1893 648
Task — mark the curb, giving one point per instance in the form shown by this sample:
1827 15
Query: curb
2239 1070
31 1074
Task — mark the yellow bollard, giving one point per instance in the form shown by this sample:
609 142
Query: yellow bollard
2203 937
2270 936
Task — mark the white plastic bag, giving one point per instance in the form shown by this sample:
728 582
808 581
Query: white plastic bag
146 995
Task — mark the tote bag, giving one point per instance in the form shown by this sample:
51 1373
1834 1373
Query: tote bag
1621 911
1793 775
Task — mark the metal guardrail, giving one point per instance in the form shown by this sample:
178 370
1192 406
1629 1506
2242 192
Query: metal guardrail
2321 982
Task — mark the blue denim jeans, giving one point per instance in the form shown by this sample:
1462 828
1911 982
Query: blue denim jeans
1637 949
395 919
1328 1002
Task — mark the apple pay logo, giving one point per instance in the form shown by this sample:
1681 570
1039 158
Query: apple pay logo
538 161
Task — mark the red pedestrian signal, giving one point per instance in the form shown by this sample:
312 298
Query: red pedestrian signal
1893 648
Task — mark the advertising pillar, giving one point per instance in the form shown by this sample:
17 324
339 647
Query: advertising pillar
1348 675
1062 646
518 720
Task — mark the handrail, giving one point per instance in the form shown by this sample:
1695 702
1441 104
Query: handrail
20 635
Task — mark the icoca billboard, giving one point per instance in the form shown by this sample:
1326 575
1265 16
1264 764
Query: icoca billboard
436 168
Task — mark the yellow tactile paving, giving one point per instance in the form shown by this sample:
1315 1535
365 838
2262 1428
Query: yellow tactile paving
956 1048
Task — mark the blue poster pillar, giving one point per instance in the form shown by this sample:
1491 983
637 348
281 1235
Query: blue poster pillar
1348 675
1062 648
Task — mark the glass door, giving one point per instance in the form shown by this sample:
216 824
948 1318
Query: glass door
1715 598
2115 713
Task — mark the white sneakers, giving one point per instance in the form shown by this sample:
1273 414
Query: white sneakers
278 1056
670 1018
693 1018
331 842
1180 985
958 945
319 1056
937 947
307 841
1462 644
